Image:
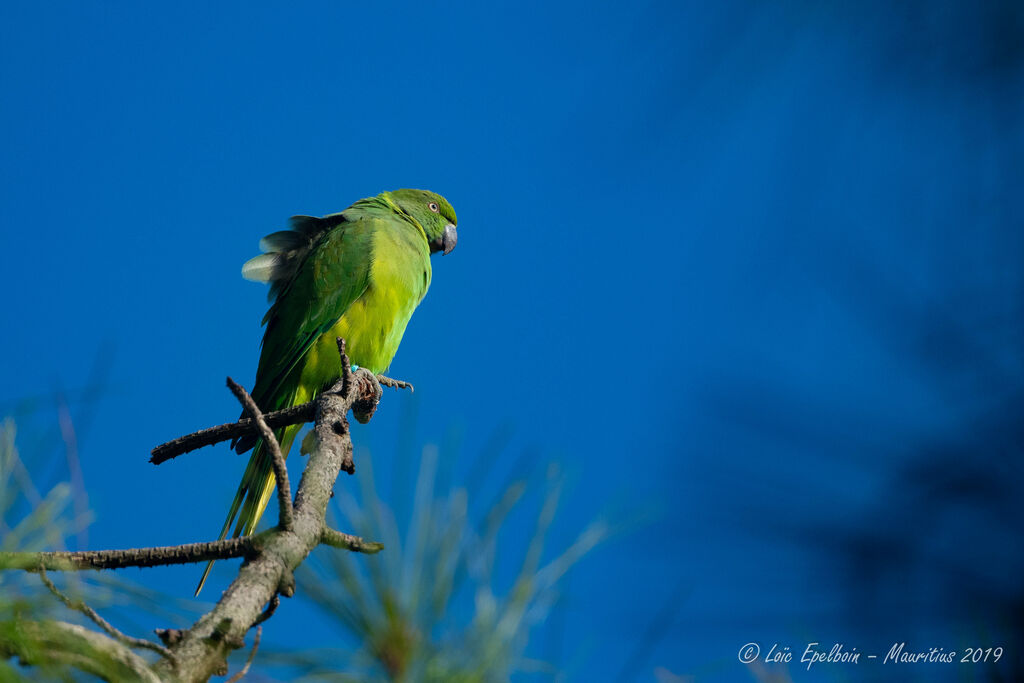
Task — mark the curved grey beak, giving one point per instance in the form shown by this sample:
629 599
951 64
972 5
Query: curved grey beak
446 241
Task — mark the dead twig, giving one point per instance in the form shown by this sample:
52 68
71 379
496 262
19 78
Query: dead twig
346 368
284 489
337 539
299 414
243 546
271 556
80 606
252 655
202 648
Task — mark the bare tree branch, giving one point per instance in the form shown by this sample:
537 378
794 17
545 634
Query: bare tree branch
299 414
80 606
243 546
337 539
284 488
232 430
271 556
346 368
203 648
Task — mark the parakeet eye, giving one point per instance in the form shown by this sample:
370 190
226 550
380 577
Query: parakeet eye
433 207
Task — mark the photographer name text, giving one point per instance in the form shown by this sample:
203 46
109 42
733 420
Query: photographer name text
839 653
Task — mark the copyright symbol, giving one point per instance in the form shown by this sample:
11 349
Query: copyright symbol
749 652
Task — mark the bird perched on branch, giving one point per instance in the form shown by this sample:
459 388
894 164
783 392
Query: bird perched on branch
359 275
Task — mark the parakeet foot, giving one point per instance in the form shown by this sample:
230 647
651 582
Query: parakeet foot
394 383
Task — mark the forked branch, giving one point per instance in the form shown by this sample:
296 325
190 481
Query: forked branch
80 606
284 488
271 556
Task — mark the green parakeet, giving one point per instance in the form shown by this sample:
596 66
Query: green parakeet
359 275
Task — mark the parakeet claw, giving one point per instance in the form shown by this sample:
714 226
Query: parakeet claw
395 383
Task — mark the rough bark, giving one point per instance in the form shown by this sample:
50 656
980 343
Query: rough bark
271 557
202 650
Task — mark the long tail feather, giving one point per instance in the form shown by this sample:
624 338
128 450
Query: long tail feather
243 488
255 490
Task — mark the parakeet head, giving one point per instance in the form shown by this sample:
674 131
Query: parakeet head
434 213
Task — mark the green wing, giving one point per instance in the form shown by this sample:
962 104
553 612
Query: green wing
335 273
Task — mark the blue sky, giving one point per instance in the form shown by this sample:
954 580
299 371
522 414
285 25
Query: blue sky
733 266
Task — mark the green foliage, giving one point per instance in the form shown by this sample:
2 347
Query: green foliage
431 607
35 628
45 525
428 607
